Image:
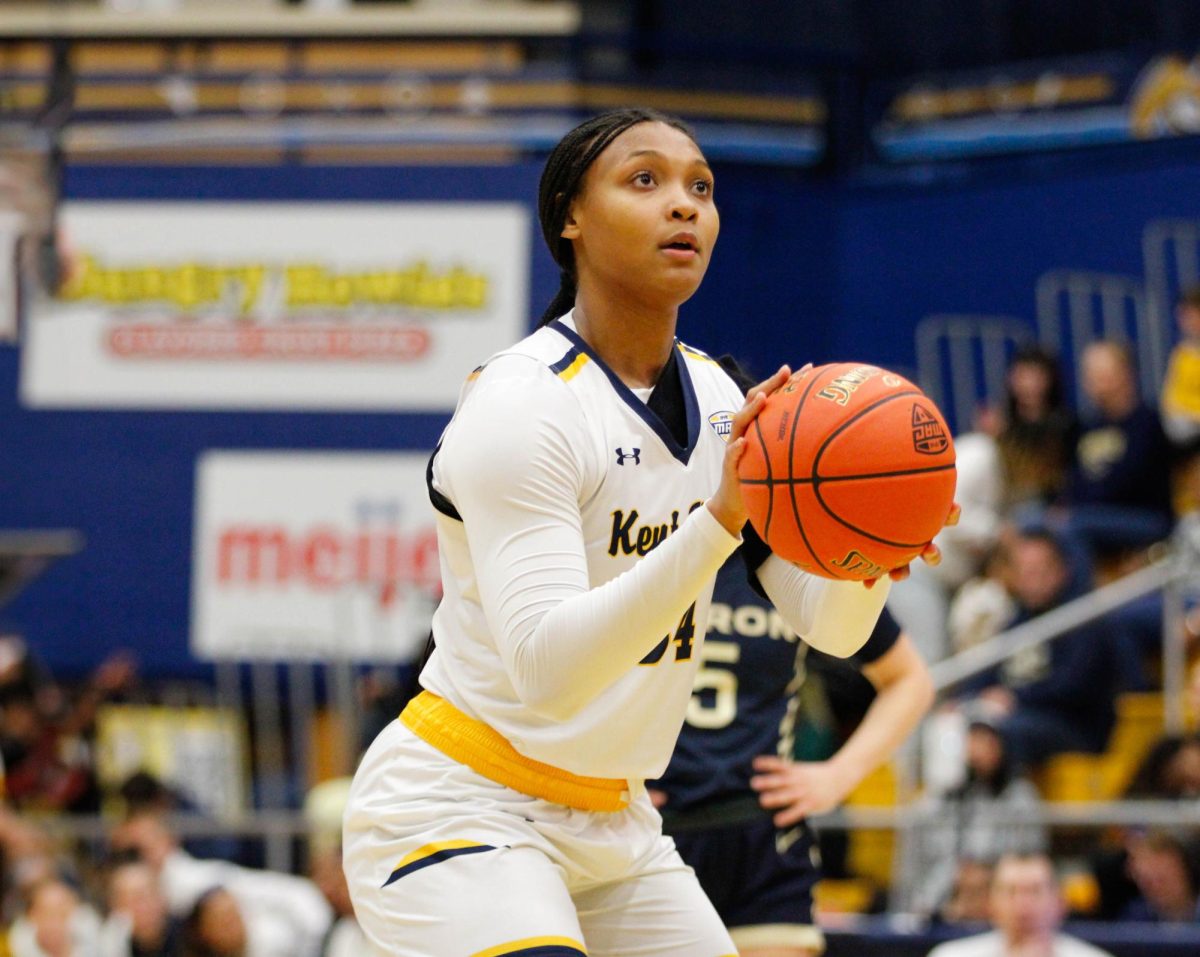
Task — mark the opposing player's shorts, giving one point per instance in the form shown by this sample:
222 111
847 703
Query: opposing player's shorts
760 880
443 862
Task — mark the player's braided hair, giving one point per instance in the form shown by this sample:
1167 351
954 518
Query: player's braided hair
562 178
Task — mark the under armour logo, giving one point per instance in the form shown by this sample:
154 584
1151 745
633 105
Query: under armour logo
635 454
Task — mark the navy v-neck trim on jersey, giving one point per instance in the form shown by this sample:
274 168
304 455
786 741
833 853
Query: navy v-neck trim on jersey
648 415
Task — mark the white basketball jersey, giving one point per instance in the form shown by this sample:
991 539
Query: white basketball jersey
638 486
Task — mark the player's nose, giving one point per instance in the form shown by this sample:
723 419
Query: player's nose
683 206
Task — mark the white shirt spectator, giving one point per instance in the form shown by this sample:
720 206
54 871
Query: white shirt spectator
992 945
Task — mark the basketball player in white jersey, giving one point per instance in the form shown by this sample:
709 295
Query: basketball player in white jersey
587 493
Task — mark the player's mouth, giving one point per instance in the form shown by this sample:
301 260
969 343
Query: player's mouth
683 246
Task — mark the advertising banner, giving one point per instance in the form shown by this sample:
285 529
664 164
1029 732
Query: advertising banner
276 305
312 557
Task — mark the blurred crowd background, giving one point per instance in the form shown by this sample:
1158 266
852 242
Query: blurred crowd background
248 250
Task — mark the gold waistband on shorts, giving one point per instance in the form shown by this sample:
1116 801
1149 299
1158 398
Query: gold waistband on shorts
485 751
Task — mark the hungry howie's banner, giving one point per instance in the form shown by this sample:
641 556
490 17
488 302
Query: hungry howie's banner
277 305
312 556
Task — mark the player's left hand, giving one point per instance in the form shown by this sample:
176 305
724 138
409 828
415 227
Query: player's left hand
930 554
799 789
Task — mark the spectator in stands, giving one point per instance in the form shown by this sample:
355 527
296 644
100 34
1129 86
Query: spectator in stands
968 900
1180 399
323 808
993 812
143 792
1118 496
1036 433
139 923
28 858
55 923
345 938
1027 913
285 915
983 606
1058 696
921 602
1171 770
44 731
1165 866
1017 458
216 928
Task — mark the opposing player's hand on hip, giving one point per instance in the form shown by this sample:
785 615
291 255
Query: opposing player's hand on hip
797 790
726 504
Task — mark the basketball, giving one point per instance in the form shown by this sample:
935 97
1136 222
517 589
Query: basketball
848 471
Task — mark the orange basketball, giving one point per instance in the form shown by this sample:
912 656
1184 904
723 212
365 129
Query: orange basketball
848 471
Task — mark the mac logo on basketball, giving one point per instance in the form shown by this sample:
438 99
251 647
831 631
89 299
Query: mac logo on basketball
857 565
722 423
929 438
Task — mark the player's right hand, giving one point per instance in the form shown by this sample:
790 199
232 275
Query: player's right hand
726 504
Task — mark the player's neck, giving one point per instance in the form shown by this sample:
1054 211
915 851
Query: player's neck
634 338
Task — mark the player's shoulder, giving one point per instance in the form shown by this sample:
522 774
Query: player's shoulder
709 372
535 362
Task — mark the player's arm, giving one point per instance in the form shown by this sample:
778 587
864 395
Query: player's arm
904 692
514 465
835 617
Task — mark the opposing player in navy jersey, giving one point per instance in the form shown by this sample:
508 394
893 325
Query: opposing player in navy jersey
734 801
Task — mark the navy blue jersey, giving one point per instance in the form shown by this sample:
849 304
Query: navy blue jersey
744 700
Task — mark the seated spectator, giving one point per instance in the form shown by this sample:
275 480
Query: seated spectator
44 731
285 915
992 812
983 606
55 923
1057 696
1165 866
345 937
1118 495
1036 435
216 928
139 924
1017 458
323 808
968 902
143 792
1180 398
1171 771
921 602
28 857
1026 912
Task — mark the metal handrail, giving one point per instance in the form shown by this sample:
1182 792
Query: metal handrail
1165 574
1053 624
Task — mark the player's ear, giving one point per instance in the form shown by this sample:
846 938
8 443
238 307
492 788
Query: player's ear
570 228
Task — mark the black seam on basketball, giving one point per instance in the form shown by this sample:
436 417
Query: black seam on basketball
817 481
826 480
769 481
791 486
854 418
854 528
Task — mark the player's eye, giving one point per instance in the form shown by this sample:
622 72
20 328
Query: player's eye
643 178
703 186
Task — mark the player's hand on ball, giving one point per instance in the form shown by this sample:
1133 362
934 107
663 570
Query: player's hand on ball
726 504
930 554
